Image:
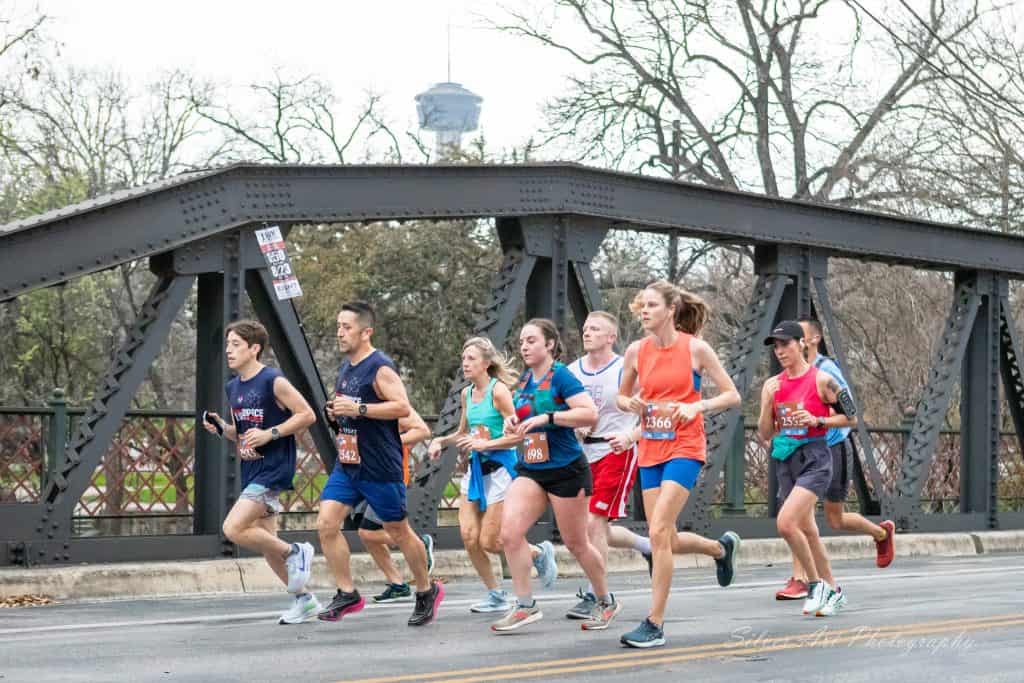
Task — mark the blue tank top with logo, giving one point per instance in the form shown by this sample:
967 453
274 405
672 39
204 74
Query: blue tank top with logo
549 395
380 444
253 406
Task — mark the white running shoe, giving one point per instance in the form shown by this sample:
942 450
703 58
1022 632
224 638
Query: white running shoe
835 602
496 601
816 597
303 608
299 564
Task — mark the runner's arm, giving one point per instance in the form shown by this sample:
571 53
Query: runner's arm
302 415
727 397
832 394
444 441
394 403
413 429
625 399
766 420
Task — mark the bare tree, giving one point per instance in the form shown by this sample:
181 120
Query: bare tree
761 107
296 120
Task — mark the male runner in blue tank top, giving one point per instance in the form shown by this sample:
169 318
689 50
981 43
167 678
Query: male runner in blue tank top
369 400
266 413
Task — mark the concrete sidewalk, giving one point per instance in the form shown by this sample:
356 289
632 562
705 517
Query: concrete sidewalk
251 575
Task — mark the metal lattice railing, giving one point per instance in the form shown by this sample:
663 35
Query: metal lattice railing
22 454
145 482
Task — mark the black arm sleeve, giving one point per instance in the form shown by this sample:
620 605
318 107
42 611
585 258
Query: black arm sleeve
844 403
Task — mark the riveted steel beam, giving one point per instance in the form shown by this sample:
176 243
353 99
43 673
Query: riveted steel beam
111 401
149 220
1010 366
934 401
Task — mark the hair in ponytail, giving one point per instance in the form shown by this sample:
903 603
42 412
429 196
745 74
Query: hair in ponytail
691 311
550 331
499 365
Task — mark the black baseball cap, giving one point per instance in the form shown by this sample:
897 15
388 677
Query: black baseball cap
785 331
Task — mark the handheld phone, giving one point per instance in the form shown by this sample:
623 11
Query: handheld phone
212 420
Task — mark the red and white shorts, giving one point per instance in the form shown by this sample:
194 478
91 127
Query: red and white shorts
614 475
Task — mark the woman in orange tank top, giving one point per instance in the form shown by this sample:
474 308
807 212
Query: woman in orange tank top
666 365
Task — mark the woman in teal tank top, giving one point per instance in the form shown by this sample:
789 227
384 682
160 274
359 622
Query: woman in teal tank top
486 402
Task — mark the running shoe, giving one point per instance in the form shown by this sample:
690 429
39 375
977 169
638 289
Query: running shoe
517 618
725 567
547 568
835 602
428 543
342 604
886 548
304 607
647 634
584 609
603 615
795 590
395 592
428 604
495 601
299 564
649 559
817 594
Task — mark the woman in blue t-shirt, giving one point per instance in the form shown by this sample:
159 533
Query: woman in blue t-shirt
550 403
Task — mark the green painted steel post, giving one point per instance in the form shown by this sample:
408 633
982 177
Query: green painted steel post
735 473
58 434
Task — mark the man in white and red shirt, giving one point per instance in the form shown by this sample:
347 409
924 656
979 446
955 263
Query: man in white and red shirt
609 447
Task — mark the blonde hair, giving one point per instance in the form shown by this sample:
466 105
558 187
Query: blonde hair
691 311
499 365
606 316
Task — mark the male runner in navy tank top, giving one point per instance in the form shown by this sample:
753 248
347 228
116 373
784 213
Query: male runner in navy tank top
369 400
266 413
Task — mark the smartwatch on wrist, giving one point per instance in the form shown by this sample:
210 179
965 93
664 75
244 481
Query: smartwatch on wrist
821 422
551 418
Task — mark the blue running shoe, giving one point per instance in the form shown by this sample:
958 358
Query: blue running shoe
547 568
647 634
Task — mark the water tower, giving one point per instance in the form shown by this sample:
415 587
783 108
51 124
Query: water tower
448 110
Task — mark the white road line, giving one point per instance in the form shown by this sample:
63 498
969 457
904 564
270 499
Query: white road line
546 597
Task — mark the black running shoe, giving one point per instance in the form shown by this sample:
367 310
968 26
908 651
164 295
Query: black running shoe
427 605
342 604
725 567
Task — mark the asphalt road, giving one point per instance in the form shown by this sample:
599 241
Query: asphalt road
937 620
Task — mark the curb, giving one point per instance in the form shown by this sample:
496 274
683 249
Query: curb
251 575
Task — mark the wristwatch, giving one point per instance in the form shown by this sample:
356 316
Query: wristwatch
551 418
362 409
274 434
821 422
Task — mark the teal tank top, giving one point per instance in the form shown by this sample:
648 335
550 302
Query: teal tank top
484 412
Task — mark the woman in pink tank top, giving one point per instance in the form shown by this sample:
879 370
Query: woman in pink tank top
795 416
672 443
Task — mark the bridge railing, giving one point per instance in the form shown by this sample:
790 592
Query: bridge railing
145 483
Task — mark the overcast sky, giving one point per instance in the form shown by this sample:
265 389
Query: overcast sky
396 47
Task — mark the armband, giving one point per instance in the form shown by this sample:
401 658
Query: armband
844 403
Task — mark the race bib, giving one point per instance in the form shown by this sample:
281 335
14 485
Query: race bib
535 448
786 420
348 449
658 423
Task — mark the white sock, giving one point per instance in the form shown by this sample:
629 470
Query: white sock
642 544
